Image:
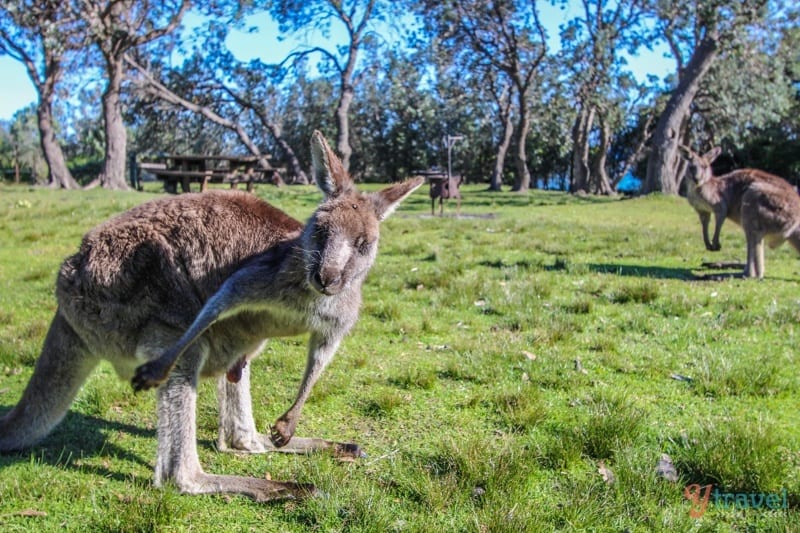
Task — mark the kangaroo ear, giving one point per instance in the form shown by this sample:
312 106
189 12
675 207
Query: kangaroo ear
712 154
327 169
387 200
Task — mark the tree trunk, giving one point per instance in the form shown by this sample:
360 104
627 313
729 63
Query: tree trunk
580 150
522 181
300 177
343 108
496 183
662 163
599 181
343 124
60 176
16 165
113 174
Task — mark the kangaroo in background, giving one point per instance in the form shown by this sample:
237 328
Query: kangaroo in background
248 272
764 205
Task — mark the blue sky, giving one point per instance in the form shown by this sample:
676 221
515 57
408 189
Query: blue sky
16 89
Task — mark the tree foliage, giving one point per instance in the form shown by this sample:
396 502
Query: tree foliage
388 81
41 34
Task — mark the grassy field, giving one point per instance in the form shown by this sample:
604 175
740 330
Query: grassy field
507 365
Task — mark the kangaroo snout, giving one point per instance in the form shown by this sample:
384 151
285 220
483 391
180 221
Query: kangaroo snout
327 281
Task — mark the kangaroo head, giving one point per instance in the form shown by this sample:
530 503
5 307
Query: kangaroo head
340 241
699 170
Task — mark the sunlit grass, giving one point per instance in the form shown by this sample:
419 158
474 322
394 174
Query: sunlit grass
501 359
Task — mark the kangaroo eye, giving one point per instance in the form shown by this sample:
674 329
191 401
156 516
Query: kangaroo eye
362 245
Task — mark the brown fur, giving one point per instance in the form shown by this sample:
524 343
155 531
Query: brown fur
764 205
192 286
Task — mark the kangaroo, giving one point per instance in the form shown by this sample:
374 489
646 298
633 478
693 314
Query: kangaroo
764 205
231 271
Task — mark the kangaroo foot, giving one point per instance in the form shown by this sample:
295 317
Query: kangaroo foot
260 490
283 490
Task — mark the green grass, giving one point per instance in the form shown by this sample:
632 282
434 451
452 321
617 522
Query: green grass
500 359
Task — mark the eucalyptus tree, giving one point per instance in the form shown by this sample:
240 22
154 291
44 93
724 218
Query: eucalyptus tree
745 89
696 32
304 105
359 19
41 34
501 92
23 135
159 124
243 98
775 147
549 145
117 27
478 100
592 46
509 36
394 118
206 96
7 156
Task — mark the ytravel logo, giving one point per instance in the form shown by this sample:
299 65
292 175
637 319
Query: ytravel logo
701 496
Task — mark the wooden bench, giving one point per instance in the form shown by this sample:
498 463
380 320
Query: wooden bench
205 169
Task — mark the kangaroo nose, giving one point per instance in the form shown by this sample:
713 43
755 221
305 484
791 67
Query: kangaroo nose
326 282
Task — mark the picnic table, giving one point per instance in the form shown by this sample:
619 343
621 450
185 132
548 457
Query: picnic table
185 169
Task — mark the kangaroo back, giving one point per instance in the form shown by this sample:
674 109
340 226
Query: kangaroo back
162 260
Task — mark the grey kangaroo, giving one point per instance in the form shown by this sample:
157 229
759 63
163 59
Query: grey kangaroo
764 205
230 271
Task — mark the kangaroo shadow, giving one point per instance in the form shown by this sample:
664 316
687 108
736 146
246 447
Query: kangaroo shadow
737 271
659 272
641 271
80 436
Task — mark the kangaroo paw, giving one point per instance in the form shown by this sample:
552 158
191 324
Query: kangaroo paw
281 433
150 375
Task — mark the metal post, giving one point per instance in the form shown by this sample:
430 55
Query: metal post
450 140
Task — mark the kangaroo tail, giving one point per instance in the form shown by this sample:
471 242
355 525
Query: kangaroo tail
60 371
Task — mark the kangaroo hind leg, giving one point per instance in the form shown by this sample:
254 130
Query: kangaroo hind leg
755 255
62 367
177 460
